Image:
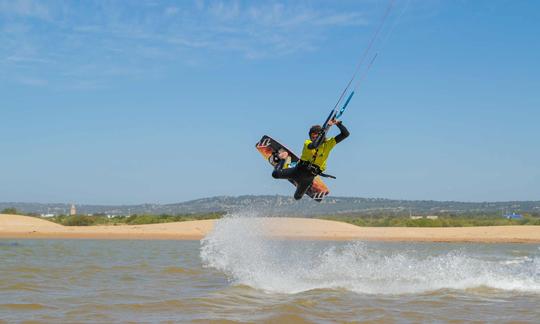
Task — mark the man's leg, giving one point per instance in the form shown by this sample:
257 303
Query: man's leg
289 173
302 187
301 177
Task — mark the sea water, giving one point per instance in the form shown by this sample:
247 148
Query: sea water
237 274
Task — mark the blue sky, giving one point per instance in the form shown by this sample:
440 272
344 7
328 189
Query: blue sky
115 102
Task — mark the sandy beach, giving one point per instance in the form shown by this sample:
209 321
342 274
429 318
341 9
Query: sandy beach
16 226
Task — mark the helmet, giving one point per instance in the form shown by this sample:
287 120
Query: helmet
315 129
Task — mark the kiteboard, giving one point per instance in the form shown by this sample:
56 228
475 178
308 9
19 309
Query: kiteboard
270 148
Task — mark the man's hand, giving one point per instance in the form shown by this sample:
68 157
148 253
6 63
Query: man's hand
334 122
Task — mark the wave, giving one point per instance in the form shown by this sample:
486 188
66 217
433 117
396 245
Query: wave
237 246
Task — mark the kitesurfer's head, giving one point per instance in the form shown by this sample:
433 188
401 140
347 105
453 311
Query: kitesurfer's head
314 132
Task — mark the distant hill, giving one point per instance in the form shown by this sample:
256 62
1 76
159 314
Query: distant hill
276 205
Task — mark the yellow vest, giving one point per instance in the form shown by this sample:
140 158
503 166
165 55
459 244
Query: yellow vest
319 155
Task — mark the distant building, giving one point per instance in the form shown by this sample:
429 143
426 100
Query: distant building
513 216
432 217
73 210
48 215
416 217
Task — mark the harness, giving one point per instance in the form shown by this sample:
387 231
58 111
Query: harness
313 168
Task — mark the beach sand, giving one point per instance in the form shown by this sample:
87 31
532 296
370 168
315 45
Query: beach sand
16 226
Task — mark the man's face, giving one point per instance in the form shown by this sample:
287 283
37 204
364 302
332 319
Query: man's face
313 136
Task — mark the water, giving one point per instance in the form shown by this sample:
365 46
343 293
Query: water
236 274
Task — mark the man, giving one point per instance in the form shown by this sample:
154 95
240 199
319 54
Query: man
313 159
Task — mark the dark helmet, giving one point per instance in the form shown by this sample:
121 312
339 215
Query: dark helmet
315 129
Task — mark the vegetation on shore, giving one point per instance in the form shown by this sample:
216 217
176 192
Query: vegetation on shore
84 220
464 220
370 220
10 211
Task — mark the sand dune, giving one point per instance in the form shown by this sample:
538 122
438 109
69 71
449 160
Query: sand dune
31 227
16 226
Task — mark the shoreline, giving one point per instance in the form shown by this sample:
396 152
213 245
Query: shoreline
25 227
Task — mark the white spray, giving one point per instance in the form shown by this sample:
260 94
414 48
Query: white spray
238 247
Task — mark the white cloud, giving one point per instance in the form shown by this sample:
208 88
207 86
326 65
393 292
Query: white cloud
129 36
345 19
32 81
28 8
171 11
199 4
225 11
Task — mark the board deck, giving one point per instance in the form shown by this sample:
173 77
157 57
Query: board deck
268 146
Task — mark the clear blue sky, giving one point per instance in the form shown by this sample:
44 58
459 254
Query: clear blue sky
163 101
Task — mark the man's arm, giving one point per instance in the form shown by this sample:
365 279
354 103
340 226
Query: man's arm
314 145
343 135
344 132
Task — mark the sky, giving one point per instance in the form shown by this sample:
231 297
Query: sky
116 102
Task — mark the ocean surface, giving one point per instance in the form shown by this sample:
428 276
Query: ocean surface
237 275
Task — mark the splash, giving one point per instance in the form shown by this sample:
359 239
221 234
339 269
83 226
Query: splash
238 247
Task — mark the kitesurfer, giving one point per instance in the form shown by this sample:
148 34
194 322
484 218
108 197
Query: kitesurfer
313 160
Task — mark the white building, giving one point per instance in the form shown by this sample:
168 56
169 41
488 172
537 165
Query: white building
73 210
